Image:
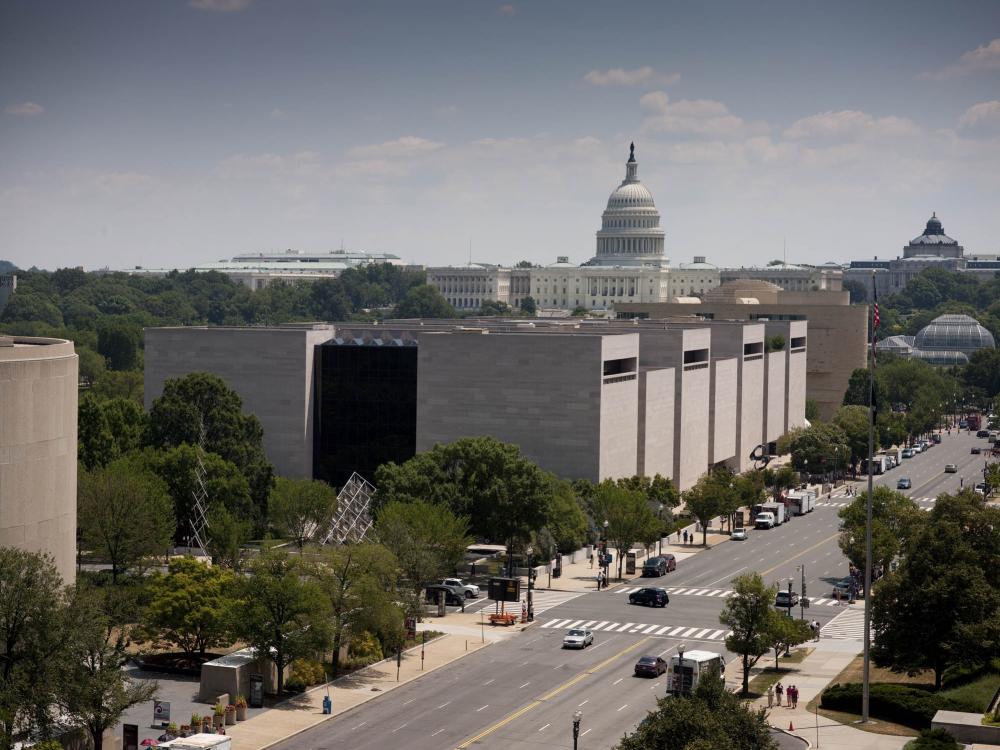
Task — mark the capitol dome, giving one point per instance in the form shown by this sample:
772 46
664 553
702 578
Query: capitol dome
951 339
630 233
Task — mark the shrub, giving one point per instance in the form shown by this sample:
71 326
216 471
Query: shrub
366 648
934 739
903 704
308 672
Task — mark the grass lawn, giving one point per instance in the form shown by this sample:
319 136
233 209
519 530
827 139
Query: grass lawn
760 683
979 692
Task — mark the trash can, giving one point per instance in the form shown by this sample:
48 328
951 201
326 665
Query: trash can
327 705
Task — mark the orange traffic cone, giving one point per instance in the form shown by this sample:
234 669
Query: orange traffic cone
790 727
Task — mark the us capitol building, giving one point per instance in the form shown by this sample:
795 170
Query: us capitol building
629 266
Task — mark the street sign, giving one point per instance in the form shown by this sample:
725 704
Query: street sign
505 589
161 711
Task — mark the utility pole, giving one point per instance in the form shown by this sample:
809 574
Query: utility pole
802 598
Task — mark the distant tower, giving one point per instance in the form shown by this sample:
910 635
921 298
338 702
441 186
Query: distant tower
630 233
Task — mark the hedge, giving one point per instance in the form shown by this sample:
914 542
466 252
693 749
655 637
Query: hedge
902 704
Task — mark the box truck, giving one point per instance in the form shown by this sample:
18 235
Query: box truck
801 502
769 515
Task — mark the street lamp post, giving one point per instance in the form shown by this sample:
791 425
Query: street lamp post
604 555
577 717
679 677
531 581
660 515
802 596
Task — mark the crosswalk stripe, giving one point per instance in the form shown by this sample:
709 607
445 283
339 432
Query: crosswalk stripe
650 629
679 591
715 635
553 623
588 624
663 630
688 632
600 625
701 633
575 624
675 631
625 627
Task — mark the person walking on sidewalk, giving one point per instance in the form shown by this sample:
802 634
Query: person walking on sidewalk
600 579
770 696
780 692
793 694
815 630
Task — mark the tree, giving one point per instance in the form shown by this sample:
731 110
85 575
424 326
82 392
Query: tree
774 343
33 608
568 524
189 606
490 308
786 632
750 617
983 371
226 536
359 583
942 605
778 480
529 306
628 514
302 508
710 718
853 420
424 301
109 429
281 613
118 343
113 384
504 495
201 400
712 495
895 517
124 514
579 312
819 447
95 690
812 409
858 292
427 539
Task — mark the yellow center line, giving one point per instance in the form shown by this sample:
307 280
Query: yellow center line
548 696
820 543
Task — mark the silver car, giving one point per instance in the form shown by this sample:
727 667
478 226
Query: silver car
578 638
739 535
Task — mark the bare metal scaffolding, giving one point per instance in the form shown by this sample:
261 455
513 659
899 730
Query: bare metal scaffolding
353 519
198 520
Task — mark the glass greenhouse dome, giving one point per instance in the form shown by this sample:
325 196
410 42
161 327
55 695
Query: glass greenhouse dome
951 333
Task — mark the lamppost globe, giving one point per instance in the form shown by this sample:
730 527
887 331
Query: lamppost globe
577 717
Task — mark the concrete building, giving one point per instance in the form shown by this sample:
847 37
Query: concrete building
589 399
837 330
931 249
38 413
789 277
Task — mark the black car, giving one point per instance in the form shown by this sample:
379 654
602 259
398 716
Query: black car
983 433
650 666
976 450
659 566
650 597
451 595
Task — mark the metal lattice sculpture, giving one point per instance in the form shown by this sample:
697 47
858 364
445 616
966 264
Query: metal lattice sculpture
198 519
353 518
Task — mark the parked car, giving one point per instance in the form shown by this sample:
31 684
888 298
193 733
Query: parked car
650 597
470 590
578 638
976 450
951 468
907 453
842 588
659 565
650 666
983 433
981 488
936 437
738 535
452 595
904 483
786 599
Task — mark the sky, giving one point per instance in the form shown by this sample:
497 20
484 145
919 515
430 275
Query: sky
168 133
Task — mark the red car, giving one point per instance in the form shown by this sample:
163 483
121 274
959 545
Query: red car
650 666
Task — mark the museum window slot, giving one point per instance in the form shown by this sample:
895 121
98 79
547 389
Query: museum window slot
753 351
798 343
695 359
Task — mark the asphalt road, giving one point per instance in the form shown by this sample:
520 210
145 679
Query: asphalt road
523 692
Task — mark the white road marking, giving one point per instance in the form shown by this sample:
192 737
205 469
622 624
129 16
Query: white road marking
489 682
545 727
359 725
406 703
626 626
585 731
701 633
579 705
524 685
663 630
650 628
618 680
730 575
481 708
399 727
444 704
625 706
438 732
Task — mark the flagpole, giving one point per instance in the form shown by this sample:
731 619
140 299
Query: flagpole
868 507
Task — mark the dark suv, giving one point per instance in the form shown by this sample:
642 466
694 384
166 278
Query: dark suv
650 597
451 595
658 566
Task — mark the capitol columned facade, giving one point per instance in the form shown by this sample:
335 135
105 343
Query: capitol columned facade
629 265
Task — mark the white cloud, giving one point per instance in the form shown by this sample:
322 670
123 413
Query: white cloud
24 109
982 114
985 57
408 145
220 6
850 125
704 117
644 76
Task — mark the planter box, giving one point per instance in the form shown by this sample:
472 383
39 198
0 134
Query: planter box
966 728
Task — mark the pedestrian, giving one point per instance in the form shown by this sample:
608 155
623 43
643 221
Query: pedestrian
816 629
779 691
678 536
685 536
591 560
770 696
600 579
795 697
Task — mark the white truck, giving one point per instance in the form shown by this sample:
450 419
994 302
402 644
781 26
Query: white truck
686 670
769 515
879 464
801 502
470 590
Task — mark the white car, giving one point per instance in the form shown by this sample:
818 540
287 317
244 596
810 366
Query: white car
578 638
739 535
470 590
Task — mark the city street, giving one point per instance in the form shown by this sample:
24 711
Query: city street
523 692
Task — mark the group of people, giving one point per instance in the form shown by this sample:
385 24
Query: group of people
779 690
814 627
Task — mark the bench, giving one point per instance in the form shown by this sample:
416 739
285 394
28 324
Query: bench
502 618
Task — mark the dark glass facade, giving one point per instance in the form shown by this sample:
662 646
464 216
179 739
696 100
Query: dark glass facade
366 409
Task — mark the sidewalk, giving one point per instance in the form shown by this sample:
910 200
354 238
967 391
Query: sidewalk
829 658
306 710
